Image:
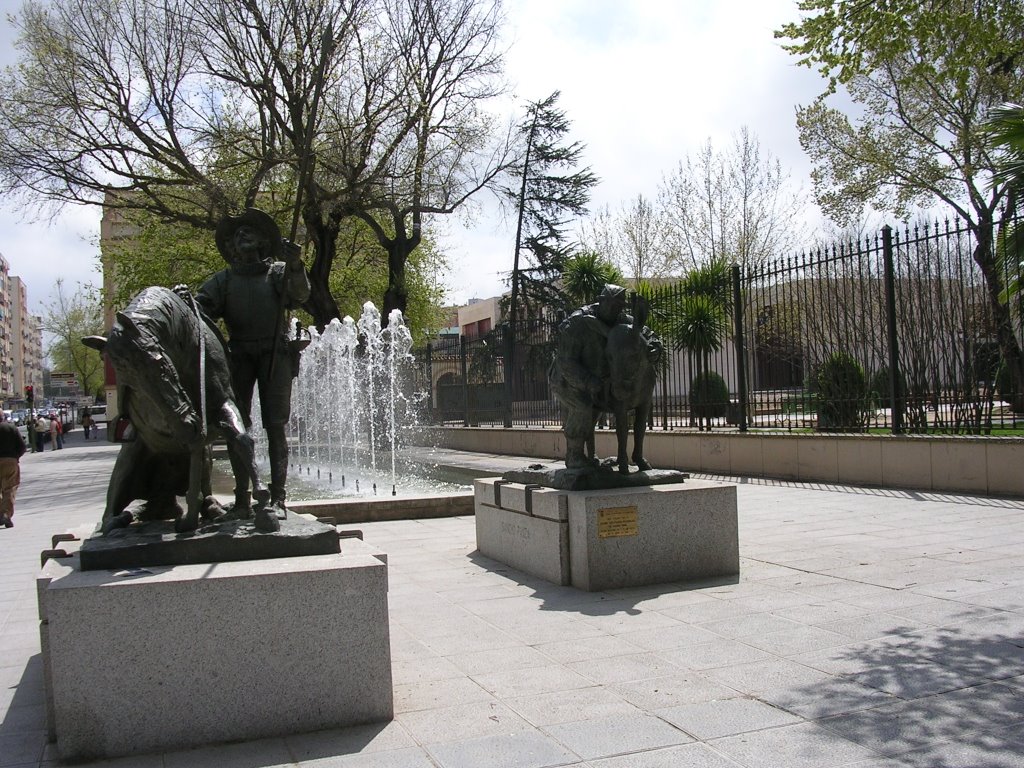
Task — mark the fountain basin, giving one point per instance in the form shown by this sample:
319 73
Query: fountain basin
347 511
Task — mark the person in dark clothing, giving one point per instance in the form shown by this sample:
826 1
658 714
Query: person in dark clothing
12 448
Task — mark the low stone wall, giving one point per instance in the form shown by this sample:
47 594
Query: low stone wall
985 465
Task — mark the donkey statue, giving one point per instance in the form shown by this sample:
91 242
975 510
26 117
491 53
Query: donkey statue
632 353
174 388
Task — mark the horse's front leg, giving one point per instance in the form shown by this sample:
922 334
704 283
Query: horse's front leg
642 416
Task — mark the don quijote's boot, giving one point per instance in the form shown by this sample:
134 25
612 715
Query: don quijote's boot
277 499
242 507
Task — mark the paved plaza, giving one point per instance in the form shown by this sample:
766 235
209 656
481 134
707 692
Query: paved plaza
868 628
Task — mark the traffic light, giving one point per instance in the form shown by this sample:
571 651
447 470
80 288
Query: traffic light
30 394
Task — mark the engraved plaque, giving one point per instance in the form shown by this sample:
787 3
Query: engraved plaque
617 521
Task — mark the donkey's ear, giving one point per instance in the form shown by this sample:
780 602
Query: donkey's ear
98 343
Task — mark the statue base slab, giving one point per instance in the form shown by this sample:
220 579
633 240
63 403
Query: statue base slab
598 540
594 478
152 543
170 657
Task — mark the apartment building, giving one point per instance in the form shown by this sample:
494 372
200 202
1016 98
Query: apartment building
21 339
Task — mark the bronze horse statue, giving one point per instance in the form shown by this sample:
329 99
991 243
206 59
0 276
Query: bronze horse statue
174 388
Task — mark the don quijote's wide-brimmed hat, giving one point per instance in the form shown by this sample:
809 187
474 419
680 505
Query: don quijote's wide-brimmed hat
257 220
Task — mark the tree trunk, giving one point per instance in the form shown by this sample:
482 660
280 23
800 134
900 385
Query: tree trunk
321 303
398 249
397 295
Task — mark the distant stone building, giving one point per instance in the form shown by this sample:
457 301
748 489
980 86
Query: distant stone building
114 230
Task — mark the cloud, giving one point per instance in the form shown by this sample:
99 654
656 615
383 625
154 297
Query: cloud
645 83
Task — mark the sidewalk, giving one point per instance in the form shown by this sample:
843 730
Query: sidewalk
869 628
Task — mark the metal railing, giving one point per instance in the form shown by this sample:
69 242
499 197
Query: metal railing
901 331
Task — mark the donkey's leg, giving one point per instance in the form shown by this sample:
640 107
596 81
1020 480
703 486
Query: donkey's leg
642 416
622 436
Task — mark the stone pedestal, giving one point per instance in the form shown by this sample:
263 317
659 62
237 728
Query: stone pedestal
166 657
609 539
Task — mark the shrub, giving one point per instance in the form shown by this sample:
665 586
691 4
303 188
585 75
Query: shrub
842 393
879 388
1006 387
709 396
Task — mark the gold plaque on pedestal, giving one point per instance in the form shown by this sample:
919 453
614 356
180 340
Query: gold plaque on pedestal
617 521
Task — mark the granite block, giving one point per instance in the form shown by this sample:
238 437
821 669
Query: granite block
666 533
532 544
609 539
550 504
483 491
176 656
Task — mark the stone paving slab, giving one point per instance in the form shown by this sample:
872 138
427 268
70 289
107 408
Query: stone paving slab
869 627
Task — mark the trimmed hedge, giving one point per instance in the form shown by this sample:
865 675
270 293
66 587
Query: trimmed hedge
709 396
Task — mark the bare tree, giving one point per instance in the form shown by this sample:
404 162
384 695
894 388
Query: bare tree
435 146
634 238
190 109
641 240
737 204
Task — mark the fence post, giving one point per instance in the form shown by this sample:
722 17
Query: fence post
741 354
430 383
465 380
895 395
509 338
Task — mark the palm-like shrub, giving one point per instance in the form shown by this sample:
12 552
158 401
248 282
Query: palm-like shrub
584 275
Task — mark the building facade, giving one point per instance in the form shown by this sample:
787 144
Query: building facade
26 340
21 339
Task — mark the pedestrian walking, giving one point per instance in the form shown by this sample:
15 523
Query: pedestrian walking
12 448
56 439
87 424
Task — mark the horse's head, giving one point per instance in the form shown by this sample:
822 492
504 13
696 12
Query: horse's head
143 365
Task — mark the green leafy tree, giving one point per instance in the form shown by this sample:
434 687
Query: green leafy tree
67 320
1005 129
922 78
552 189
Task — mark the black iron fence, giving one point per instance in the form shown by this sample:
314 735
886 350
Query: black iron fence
902 331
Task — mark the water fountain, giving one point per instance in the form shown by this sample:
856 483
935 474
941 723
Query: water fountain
353 406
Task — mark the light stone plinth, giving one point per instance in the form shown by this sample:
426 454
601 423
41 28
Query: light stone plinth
178 656
526 528
610 539
682 533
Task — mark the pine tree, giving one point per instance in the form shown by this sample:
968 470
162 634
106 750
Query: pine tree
550 193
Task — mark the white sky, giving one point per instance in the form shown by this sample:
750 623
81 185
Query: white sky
644 82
